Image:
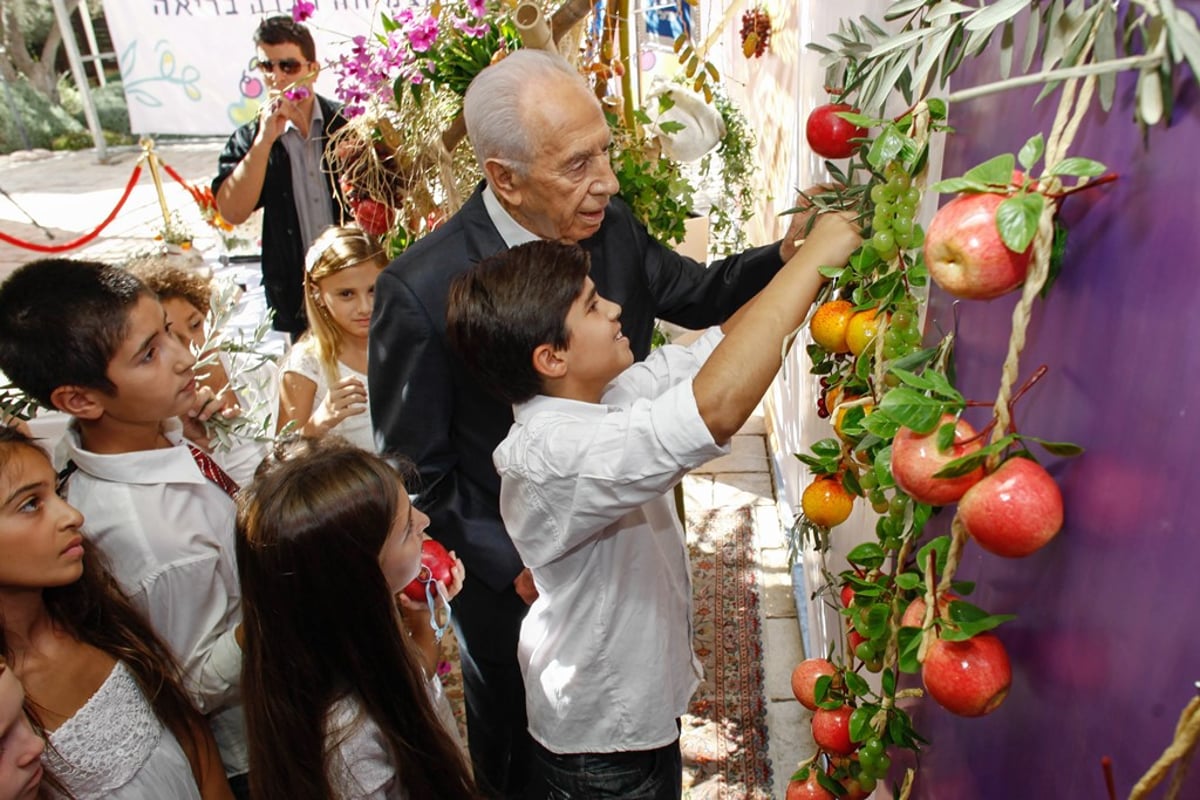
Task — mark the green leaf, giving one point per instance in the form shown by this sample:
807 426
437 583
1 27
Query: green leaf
958 185
671 126
1065 449
909 642
912 409
939 546
967 630
850 482
881 426
937 108
821 688
914 360
961 466
1078 167
872 621
883 466
830 785
1017 218
858 120
867 554
860 722
945 437
827 447
912 379
886 147
908 580
962 587
992 15
995 171
920 515
888 682
831 272
856 685
1031 152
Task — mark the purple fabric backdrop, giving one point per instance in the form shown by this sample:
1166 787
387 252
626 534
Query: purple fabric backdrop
1104 655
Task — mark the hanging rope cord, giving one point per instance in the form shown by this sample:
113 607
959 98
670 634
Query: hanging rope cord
87 237
1072 108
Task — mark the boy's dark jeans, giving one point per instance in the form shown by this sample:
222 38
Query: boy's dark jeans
641 775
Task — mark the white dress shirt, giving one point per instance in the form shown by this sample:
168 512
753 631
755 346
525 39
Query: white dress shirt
606 649
168 534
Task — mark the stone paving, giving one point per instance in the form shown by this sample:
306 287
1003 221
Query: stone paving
70 194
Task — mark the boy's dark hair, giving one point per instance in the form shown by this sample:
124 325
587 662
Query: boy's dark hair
282 29
501 310
61 323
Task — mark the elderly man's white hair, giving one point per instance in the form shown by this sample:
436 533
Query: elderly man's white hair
492 105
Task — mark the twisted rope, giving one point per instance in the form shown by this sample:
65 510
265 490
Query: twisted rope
1187 735
1071 110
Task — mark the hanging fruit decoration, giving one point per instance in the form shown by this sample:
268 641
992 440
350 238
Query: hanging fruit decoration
756 32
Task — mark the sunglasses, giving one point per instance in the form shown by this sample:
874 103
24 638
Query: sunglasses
288 66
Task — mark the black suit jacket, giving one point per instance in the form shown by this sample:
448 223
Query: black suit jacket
424 403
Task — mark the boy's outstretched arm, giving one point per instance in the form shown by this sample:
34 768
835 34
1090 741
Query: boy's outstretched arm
737 374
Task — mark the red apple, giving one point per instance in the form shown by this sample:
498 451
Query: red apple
915 459
1014 511
829 135
968 678
914 615
804 680
965 254
847 595
831 730
374 217
439 564
809 789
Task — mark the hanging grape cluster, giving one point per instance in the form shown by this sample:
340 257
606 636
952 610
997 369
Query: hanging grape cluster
756 32
896 203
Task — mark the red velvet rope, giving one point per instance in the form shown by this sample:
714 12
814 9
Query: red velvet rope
82 240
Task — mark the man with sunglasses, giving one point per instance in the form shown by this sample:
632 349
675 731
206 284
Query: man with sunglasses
277 163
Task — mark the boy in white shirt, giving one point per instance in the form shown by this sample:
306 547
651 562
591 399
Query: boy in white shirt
596 446
92 341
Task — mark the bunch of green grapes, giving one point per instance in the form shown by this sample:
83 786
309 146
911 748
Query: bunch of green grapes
896 203
903 334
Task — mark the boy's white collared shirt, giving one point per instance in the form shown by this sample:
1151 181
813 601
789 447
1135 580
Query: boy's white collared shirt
606 649
168 535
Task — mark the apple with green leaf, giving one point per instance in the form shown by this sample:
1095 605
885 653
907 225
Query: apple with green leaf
965 254
916 458
969 678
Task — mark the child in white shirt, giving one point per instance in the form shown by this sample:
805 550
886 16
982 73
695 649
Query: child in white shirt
595 448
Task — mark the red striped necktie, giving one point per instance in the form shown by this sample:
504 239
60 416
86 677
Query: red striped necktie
212 470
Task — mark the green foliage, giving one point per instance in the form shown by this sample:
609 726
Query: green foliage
109 101
652 184
733 207
22 106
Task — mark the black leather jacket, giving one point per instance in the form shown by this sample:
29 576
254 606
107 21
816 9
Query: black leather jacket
282 245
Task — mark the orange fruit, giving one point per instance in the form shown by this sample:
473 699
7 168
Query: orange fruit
828 325
826 502
861 330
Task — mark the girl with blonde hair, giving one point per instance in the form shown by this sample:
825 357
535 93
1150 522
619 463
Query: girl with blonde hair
323 380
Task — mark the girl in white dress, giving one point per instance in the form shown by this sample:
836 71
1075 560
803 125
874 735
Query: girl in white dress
323 379
99 684
337 704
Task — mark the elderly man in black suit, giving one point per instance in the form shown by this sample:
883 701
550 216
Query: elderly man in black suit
541 139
